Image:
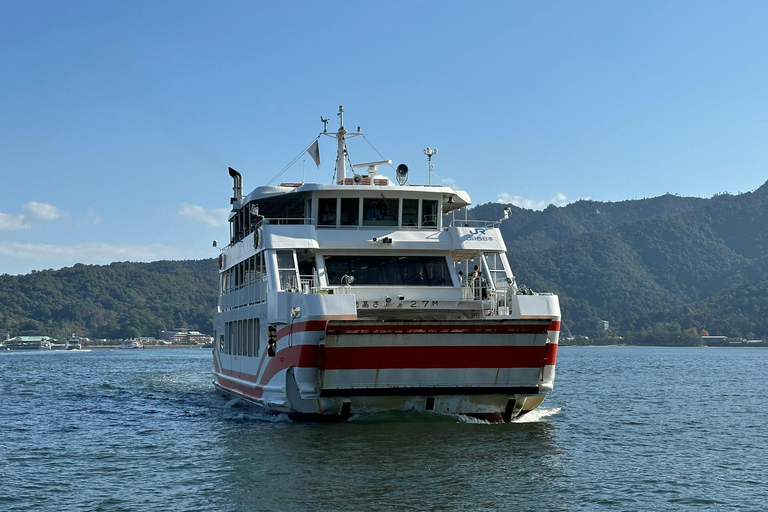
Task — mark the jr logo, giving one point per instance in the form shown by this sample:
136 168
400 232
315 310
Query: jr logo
477 231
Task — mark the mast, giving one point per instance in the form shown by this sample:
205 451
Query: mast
341 165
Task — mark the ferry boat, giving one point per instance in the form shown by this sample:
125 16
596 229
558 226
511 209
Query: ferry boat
74 342
364 295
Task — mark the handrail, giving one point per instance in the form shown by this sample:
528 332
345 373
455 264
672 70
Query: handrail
471 223
294 221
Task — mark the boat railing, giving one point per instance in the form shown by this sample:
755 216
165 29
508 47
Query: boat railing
307 284
473 223
243 295
297 221
493 300
282 220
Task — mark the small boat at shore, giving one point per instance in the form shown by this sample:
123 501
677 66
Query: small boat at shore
365 296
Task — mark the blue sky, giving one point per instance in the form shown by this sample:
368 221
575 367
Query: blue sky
118 119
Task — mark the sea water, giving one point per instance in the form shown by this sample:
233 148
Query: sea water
625 429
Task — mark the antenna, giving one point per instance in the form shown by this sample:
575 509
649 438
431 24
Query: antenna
341 150
325 124
430 152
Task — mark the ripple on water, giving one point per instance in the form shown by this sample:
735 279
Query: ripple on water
624 429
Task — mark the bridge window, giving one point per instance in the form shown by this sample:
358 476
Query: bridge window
350 211
326 211
429 213
410 212
378 211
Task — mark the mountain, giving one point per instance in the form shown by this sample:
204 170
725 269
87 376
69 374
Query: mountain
671 259
653 265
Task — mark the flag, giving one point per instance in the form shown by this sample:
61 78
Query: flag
314 152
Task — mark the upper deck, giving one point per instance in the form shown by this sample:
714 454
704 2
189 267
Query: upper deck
364 217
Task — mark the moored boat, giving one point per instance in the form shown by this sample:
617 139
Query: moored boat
130 344
74 343
366 296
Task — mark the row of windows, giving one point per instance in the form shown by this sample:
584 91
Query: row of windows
241 338
389 270
376 211
247 271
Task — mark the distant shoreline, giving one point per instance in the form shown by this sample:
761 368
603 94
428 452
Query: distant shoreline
149 347
744 345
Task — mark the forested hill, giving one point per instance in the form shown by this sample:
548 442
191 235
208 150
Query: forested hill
112 301
685 262
667 262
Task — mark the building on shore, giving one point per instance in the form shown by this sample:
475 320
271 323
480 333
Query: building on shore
184 336
32 343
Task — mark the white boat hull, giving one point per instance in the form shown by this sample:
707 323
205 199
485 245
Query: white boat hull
498 368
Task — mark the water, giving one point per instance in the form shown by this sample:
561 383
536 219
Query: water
626 429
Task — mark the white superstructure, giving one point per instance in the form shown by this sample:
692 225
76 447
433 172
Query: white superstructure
363 296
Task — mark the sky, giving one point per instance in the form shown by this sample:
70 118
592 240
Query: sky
118 119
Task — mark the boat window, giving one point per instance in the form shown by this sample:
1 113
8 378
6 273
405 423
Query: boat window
498 276
389 270
429 213
326 211
350 211
410 212
378 211
286 269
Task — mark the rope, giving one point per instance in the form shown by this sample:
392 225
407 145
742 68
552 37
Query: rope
376 150
293 161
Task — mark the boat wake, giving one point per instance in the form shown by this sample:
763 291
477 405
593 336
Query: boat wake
242 412
537 415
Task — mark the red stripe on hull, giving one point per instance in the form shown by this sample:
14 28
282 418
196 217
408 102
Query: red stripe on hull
301 356
555 325
233 386
551 356
312 325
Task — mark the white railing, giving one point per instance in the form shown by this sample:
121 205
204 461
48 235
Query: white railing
307 285
297 221
250 293
473 223
493 301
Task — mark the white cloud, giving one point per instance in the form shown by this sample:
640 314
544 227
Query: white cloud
21 257
45 211
450 182
13 222
215 217
88 252
558 200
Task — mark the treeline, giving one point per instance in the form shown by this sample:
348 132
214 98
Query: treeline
110 301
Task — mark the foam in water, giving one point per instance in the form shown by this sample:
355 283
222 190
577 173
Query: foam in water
537 415
471 419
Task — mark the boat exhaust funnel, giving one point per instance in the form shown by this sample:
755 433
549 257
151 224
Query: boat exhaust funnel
238 185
